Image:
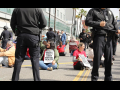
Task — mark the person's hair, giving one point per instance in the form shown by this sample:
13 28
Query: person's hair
52 44
51 29
10 43
60 44
83 29
80 45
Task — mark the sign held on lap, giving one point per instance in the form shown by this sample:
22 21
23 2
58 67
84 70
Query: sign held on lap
49 56
85 61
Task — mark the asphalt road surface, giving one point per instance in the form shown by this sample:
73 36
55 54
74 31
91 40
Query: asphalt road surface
64 73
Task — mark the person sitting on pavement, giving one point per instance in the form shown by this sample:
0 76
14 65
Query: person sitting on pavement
73 45
77 62
60 49
49 66
7 56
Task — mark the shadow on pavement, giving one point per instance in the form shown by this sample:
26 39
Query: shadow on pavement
33 80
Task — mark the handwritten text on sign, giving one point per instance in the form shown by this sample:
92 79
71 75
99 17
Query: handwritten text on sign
49 56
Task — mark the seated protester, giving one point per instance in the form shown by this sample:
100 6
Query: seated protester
73 45
49 66
60 49
7 56
78 64
91 56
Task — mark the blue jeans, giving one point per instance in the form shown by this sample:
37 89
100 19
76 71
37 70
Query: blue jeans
45 66
71 54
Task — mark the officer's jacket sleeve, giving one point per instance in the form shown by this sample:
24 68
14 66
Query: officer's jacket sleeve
1 36
13 21
42 20
89 20
80 35
115 23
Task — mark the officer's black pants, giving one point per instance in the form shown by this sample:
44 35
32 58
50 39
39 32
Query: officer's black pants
25 41
101 46
114 43
4 44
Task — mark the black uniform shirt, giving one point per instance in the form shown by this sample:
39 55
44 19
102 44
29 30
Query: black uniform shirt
28 20
51 35
5 35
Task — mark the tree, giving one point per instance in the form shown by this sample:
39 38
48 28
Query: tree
81 14
73 19
49 17
54 19
78 17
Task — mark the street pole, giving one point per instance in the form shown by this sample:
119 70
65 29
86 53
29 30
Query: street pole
49 16
54 19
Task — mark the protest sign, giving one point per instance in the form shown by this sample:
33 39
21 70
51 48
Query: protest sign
85 61
49 56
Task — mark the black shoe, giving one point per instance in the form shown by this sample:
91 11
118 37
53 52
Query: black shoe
3 65
10 66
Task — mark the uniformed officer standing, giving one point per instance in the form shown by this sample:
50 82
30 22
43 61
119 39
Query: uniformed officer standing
5 37
29 22
83 37
51 35
104 27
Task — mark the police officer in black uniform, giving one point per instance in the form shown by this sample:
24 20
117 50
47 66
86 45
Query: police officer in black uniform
29 22
5 37
51 35
104 28
83 37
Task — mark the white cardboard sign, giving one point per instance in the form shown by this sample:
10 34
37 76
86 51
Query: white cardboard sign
49 56
85 61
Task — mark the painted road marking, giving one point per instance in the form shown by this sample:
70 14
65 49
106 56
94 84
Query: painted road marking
78 76
58 63
85 75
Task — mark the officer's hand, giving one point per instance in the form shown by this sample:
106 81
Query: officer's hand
102 23
81 39
53 62
118 32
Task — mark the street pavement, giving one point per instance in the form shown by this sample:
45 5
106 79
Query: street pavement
64 73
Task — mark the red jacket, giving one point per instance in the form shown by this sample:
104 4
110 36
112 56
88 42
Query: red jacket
60 49
76 53
28 52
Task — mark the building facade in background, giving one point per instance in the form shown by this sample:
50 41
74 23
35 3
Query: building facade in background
61 21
